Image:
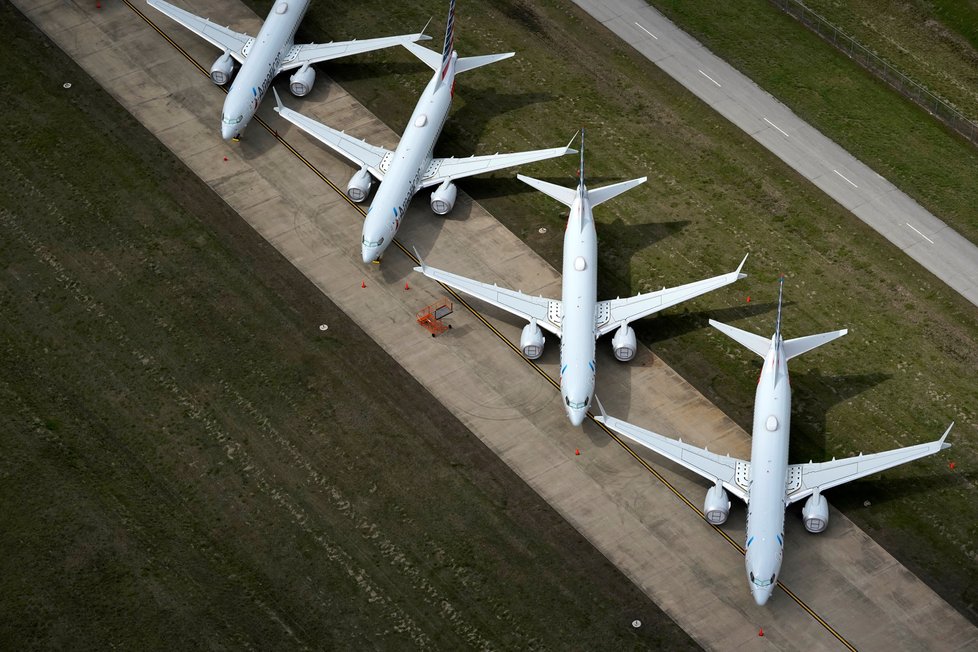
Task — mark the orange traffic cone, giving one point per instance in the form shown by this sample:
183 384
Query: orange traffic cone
406 286
760 632
363 284
577 451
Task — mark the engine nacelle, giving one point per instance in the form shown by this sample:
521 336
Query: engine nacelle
716 507
301 82
223 69
443 199
815 513
624 343
359 186
531 341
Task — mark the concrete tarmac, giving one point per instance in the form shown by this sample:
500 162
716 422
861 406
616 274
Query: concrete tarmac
870 197
852 584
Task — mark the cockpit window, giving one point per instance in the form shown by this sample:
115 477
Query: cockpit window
762 583
367 243
231 121
575 406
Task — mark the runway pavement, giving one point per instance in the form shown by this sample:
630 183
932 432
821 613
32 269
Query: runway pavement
873 199
844 580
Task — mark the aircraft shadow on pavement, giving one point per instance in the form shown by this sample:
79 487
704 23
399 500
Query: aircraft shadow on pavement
813 395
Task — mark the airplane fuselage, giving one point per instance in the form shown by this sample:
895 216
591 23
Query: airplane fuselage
769 474
579 300
264 55
411 159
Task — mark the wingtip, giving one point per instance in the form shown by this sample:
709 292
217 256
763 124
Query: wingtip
278 100
571 142
421 266
741 265
944 444
604 415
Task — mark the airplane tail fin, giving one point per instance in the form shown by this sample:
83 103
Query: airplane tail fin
564 195
756 343
794 348
464 64
600 195
443 65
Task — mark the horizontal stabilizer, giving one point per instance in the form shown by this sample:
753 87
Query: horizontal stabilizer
464 64
601 195
428 57
756 343
564 195
794 348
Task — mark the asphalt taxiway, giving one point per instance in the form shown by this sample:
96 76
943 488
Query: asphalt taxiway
848 591
877 202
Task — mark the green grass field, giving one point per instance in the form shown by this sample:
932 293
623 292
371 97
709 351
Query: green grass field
907 367
895 137
933 41
188 462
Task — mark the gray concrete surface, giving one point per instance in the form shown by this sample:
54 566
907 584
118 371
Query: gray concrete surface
870 197
657 541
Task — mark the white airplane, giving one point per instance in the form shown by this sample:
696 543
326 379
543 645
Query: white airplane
578 319
264 56
411 167
767 483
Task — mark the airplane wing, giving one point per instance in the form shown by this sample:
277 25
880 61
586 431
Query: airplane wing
362 153
447 169
732 472
545 312
617 312
309 53
222 37
804 479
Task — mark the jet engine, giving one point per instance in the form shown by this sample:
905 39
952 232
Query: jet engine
223 69
624 343
531 341
360 185
443 199
815 513
301 82
717 505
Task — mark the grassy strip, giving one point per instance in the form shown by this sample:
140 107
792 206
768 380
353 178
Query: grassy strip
188 462
891 135
907 367
934 42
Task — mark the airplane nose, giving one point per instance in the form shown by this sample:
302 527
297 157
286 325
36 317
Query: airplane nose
367 254
576 417
761 596
227 132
